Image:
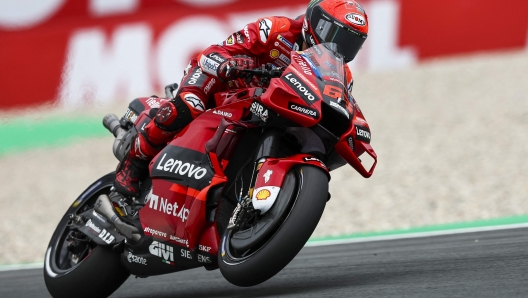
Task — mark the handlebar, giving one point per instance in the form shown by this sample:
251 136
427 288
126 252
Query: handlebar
169 89
262 72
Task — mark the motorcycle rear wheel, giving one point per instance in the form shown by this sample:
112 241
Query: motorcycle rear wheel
94 271
262 262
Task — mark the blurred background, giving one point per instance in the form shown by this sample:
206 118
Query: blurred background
443 84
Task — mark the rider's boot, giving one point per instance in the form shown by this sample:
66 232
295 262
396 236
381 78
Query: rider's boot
134 167
169 119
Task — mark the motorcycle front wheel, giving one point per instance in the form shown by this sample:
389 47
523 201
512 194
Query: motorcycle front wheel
306 188
82 269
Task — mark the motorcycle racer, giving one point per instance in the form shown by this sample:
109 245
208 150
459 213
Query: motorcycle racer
269 40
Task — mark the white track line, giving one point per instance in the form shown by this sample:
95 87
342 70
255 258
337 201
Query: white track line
342 241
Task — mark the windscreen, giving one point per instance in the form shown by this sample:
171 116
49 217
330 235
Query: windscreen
328 66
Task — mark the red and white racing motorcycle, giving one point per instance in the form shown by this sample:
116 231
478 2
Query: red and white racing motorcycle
241 188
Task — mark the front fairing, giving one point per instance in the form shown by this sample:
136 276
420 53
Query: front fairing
312 92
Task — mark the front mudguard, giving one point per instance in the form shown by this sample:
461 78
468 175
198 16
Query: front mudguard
270 178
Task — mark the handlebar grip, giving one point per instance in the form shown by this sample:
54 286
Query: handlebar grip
169 89
111 122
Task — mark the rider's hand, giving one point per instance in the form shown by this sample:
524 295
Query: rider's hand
230 69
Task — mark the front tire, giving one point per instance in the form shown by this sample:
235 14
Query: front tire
263 262
93 271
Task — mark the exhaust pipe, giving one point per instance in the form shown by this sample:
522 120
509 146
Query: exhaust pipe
104 206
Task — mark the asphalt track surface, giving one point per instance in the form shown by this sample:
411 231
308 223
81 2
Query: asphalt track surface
483 264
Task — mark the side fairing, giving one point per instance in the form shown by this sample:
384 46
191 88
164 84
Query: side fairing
295 95
183 174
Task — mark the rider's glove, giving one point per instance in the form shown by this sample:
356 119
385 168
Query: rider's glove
230 69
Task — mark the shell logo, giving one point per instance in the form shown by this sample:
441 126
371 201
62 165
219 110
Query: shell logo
274 54
263 194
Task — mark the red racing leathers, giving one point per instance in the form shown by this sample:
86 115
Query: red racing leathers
268 40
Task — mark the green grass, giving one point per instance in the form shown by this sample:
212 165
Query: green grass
24 134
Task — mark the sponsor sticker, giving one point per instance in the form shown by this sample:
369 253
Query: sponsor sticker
179 240
264 197
285 59
362 134
312 40
106 236
298 86
350 143
209 65
209 86
239 38
155 232
204 259
195 76
217 57
285 41
265 29
259 110
274 54
303 110
267 175
303 64
129 116
162 205
246 33
186 254
135 259
340 108
314 159
164 251
182 166
153 103
356 19
204 248
280 46
230 41
223 113
194 102
263 194
92 226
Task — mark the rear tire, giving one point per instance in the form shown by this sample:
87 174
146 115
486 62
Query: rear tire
283 245
94 272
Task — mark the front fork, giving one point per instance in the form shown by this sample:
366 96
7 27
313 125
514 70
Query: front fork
269 173
268 147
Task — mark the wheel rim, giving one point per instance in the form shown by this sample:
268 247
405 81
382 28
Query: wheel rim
59 259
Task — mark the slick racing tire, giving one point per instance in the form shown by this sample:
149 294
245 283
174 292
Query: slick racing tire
308 195
93 271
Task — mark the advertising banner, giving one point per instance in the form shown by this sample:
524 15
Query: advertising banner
76 52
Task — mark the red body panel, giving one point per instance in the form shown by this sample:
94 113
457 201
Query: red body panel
279 95
280 167
350 146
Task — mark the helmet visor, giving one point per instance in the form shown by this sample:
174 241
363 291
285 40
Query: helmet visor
329 30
